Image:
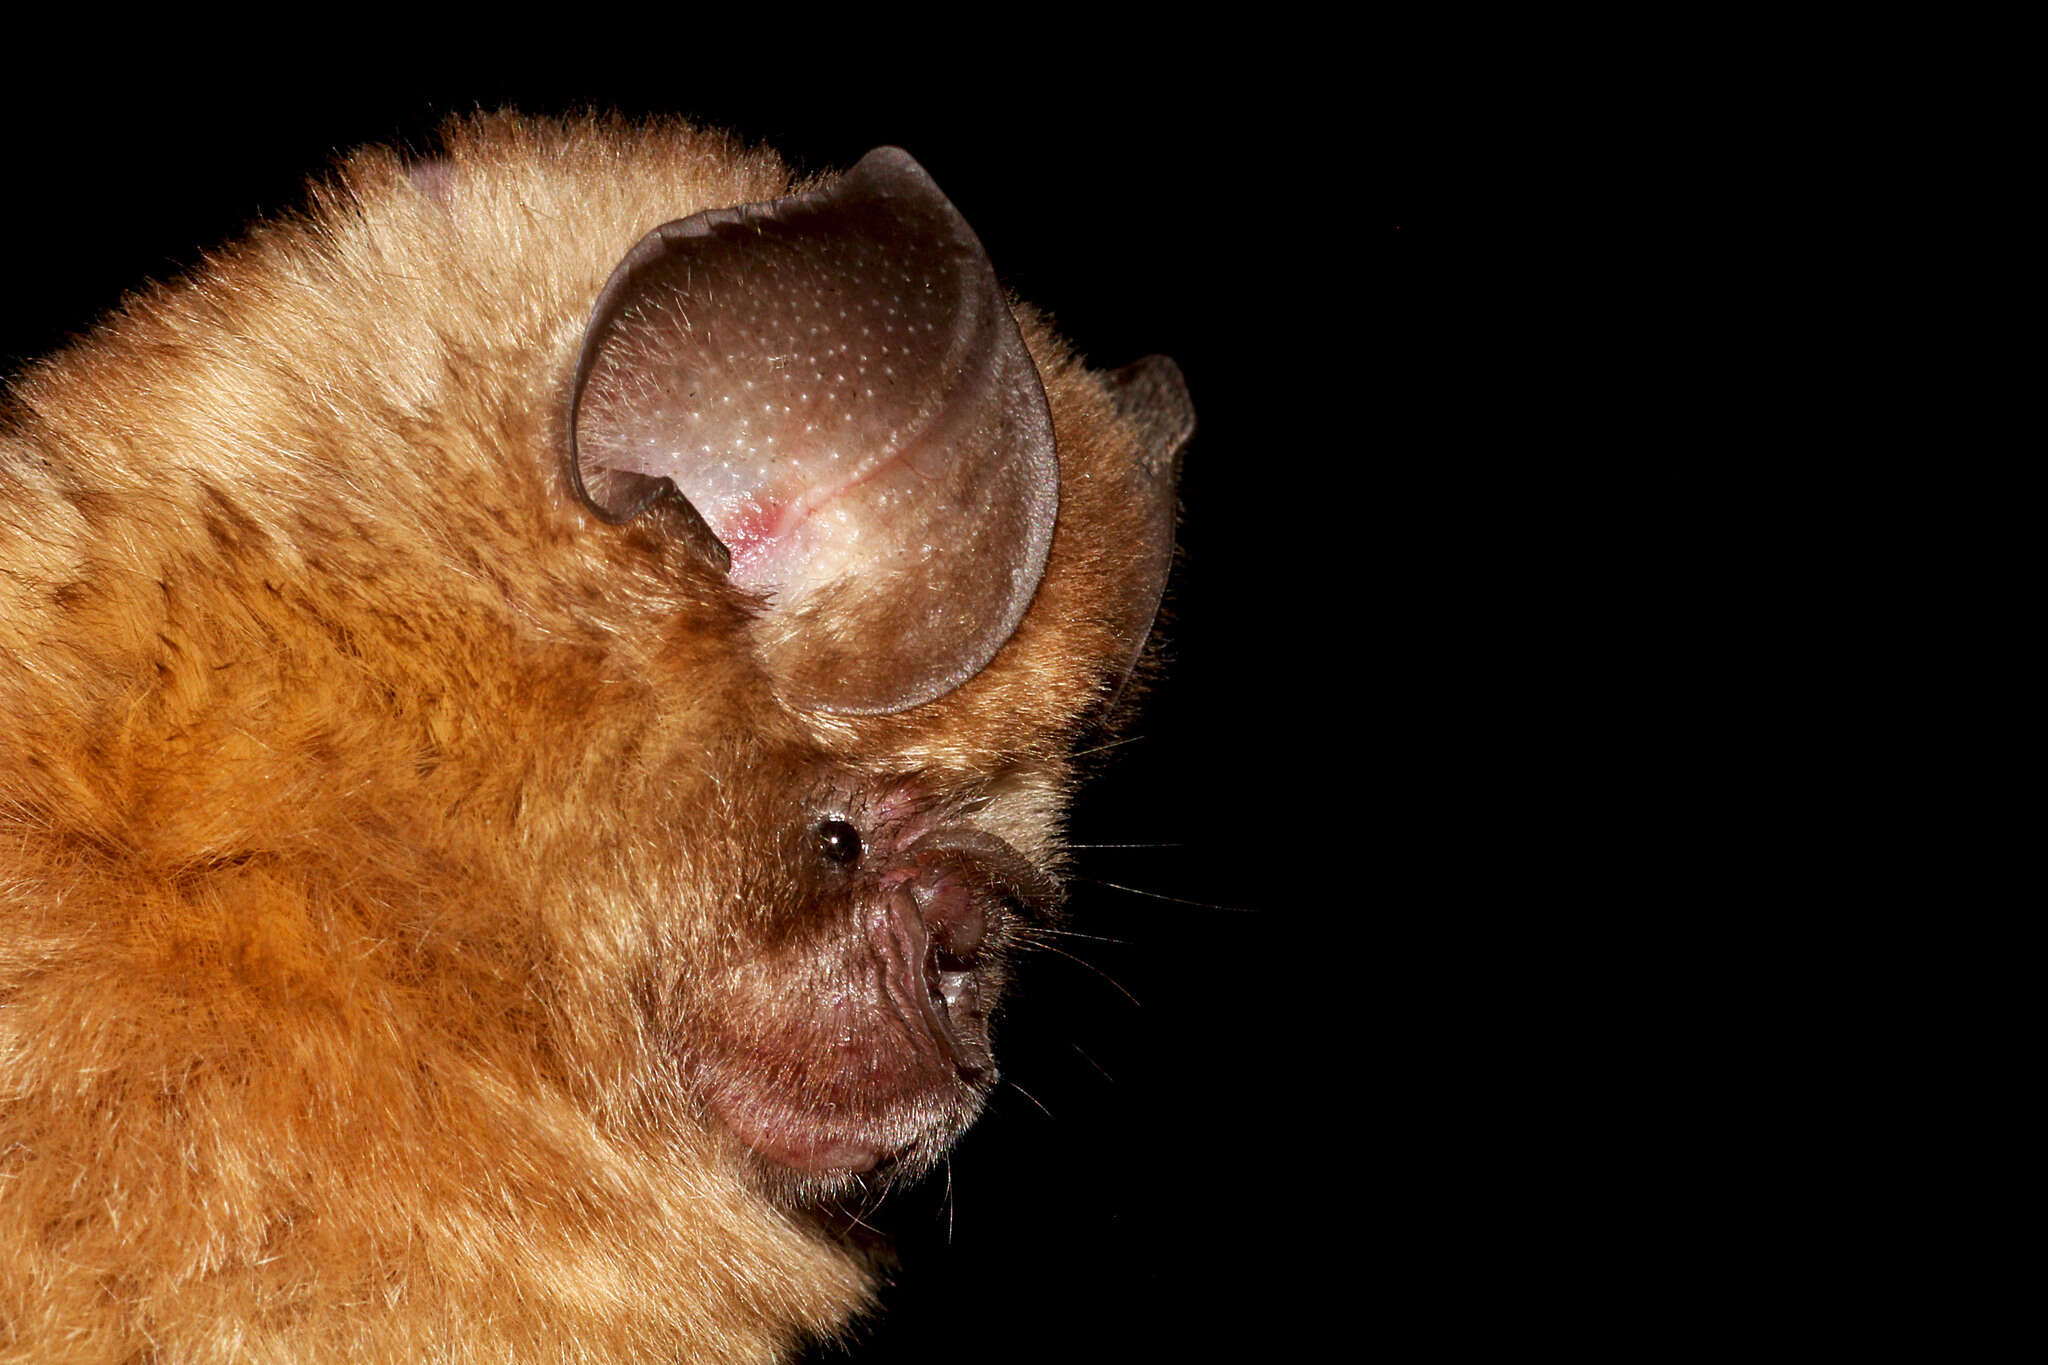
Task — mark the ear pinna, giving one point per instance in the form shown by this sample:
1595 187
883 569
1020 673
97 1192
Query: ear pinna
834 388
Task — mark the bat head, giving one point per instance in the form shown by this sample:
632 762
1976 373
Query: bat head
826 399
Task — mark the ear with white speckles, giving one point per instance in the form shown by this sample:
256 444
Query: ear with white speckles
831 388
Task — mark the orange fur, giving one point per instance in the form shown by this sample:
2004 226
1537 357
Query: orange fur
358 790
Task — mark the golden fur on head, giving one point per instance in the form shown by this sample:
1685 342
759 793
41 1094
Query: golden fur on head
378 828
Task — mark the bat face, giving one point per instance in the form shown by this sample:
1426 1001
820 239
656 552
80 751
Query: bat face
858 1035
535 710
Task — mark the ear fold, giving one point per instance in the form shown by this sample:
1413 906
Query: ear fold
1152 396
833 389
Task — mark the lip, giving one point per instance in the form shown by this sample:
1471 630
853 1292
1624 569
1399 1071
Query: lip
802 1142
811 1153
821 1145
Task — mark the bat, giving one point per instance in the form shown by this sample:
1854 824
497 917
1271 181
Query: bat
536 702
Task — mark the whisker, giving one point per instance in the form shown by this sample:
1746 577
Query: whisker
1092 1062
859 1219
1105 748
1075 933
1092 846
1028 1095
872 1194
1061 952
1162 896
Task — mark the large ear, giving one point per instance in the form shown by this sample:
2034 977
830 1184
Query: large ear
834 389
1152 397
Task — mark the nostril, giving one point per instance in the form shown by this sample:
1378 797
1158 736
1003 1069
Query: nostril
953 956
955 923
956 928
958 941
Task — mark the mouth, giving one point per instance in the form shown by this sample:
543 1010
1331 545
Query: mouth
816 1151
862 1053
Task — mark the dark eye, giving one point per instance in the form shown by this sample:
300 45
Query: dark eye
839 842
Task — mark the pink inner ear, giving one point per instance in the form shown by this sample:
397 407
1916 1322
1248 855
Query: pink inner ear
834 382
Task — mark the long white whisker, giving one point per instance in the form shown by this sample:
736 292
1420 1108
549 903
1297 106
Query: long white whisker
1113 744
1162 896
1060 952
1029 1096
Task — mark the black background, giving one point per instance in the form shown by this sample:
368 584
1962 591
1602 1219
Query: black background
1216 1108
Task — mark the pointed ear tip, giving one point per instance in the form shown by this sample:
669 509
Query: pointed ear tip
1162 369
1154 391
890 158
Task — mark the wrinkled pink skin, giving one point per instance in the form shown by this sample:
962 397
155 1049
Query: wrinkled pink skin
868 1043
